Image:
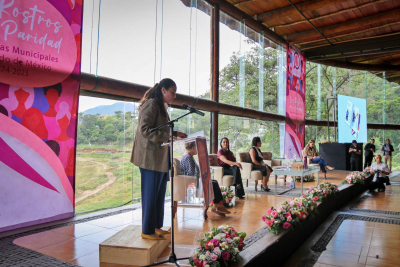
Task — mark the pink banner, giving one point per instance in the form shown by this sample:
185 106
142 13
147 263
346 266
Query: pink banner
39 89
295 102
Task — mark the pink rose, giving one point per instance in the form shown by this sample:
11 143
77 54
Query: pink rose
274 213
204 263
269 222
289 219
269 211
225 255
286 225
264 218
206 246
214 257
288 214
316 198
215 242
227 200
217 250
233 234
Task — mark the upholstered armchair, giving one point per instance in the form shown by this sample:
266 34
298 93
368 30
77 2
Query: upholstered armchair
181 183
223 180
247 171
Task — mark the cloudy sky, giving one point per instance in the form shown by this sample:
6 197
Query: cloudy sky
142 42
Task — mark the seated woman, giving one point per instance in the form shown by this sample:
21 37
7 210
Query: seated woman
309 151
256 159
190 167
227 160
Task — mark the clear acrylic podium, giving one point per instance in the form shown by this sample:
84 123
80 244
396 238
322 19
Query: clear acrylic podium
192 175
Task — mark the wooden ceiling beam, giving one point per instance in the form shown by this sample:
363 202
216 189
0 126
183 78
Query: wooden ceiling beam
356 66
285 26
244 2
333 30
317 43
290 10
380 44
240 15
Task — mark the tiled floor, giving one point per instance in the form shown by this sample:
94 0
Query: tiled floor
362 243
389 201
79 243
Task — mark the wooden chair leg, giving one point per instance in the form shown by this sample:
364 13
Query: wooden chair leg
256 182
247 182
175 209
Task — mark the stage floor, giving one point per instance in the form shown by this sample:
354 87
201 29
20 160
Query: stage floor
79 243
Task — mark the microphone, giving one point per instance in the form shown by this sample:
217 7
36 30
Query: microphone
193 110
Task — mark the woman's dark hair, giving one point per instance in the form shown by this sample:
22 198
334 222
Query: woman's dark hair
255 140
354 141
388 140
155 93
189 145
220 143
56 87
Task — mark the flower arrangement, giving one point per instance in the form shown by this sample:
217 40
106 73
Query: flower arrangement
218 247
355 178
323 191
228 196
307 178
367 172
292 212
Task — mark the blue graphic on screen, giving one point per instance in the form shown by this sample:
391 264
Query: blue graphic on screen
352 119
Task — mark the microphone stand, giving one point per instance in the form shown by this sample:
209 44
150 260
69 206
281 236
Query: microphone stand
172 257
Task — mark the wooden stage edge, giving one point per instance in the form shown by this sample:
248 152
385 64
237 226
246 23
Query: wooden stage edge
275 250
127 248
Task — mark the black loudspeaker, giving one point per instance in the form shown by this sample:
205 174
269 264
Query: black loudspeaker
337 155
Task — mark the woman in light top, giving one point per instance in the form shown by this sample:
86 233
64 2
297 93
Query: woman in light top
310 151
256 159
189 167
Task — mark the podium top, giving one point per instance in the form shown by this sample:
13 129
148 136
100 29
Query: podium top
190 138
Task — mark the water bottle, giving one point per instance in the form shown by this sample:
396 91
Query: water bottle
289 165
292 184
294 158
190 194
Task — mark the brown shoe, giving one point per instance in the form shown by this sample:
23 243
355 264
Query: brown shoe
225 211
215 211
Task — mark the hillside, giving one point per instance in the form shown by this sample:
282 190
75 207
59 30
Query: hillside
110 109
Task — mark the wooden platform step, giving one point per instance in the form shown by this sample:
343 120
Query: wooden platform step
128 248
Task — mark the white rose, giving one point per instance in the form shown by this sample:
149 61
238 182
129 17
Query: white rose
236 250
236 238
203 257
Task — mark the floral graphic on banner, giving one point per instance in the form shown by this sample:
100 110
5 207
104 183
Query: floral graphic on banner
39 90
295 102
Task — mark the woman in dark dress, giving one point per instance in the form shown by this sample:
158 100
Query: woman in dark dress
189 167
227 160
256 159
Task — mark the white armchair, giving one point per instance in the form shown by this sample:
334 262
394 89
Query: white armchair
223 180
247 171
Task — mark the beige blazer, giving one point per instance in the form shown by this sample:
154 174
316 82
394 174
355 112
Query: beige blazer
147 151
310 154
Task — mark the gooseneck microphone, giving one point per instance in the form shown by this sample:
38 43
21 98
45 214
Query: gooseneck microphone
193 110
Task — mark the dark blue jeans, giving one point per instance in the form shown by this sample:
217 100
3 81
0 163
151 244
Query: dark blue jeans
154 185
321 163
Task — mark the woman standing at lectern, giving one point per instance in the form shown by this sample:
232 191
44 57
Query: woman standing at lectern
151 157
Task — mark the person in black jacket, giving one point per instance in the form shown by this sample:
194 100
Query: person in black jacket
369 150
387 150
355 156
